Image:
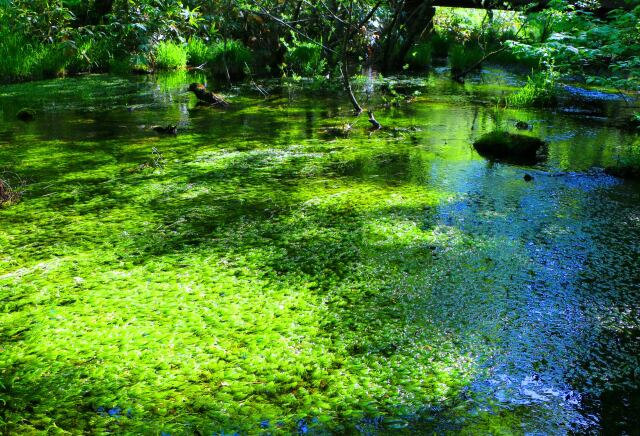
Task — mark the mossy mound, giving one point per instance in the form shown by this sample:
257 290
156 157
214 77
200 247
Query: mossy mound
26 114
508 146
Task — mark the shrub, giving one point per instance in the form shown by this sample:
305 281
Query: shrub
539 91
306 59
170 56
230 55
197 51
419 57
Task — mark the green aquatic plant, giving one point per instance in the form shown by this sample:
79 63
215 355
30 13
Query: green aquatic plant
539 91
252 275
170 56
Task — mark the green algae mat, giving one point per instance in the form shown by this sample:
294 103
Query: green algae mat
252 275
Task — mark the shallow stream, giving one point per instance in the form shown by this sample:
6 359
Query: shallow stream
260 273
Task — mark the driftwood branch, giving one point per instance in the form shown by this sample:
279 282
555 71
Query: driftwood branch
459 77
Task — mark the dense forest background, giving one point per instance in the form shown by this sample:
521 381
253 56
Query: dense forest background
325 40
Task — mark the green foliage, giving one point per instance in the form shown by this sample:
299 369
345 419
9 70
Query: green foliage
476 25
170 56
197 51
604 52
219 287
230 56
461 58
439 45
419 56
306 59
539 91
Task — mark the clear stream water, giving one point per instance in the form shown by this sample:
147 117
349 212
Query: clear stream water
419 286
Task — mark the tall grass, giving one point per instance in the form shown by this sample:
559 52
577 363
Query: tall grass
197 51
23 59
92 55
170 56
230 56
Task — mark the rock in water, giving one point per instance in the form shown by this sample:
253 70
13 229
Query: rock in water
207 96
170 129
26 114
509 147
528 177
522 125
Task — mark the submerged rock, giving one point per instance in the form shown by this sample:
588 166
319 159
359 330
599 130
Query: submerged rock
528 177
523 125
508 146
26 114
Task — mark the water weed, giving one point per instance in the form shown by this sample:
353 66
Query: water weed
252 275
